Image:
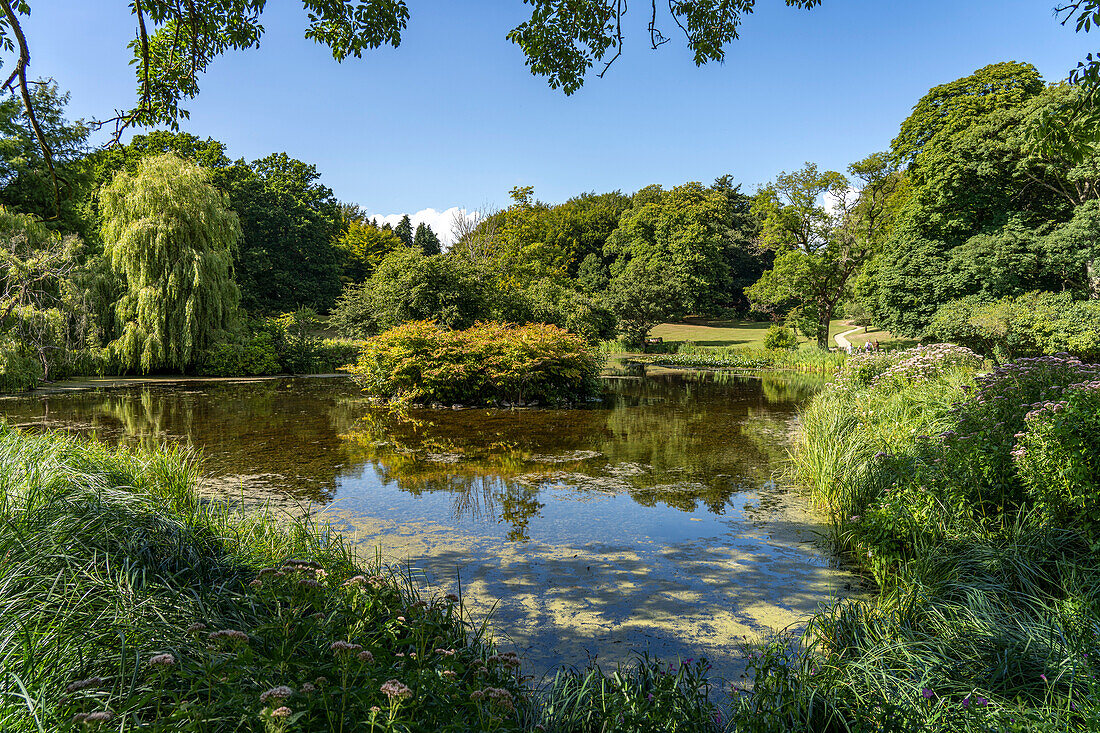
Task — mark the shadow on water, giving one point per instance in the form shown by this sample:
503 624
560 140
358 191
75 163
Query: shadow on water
648 520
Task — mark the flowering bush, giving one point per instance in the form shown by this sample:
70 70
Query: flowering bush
421 362
896 368
1058 457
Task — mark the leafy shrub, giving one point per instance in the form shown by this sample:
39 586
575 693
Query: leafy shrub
491 362
254 357
547 301
1058 458
1031 325
780 337
332 354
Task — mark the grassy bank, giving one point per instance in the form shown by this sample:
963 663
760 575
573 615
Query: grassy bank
128 603
972 500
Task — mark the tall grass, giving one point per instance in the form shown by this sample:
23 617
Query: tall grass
989 615
843 429
126 598
735 357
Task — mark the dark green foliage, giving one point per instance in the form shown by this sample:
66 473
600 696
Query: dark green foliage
994 212
1031 325
253 357
409 285
426 240
286 257
25 182
547 301
404 231
421 362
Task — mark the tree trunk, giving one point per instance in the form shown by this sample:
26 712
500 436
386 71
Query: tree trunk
823 328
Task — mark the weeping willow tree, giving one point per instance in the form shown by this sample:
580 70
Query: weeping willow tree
168 234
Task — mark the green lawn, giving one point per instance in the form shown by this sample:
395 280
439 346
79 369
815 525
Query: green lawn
885 338
711 332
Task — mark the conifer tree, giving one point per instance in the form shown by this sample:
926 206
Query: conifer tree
426 240
404 230
168 232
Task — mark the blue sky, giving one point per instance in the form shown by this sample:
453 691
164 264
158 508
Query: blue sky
453 117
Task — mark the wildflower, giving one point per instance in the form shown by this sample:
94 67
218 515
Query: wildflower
280 693
356 581
375 709
229 634
321 681
310 583
257 583
649 696
981 702
84 684
366 657
401 619
1043 677
344 647
393 689
448 673
966 702
100 716
445 652
280 712
928 694
451 597
195 628
308 688
856 518
162 660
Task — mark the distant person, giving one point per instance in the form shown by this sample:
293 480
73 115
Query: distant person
876 345
867 347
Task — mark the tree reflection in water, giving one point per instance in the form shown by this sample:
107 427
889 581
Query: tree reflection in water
687 440
683 439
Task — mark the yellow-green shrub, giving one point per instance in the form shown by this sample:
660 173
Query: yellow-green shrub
420 361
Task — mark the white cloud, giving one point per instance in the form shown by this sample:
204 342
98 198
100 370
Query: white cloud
441 222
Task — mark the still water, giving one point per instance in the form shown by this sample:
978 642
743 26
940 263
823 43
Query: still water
650 521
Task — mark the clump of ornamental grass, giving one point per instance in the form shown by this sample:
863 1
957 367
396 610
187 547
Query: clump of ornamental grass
128 602
645 694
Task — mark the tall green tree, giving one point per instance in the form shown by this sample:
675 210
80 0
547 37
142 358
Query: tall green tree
362 247
26 184
987 196
679 233
169 233
426 240
287 256
404 231
43 314
823 231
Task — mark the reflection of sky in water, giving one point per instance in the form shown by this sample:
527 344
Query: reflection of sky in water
650 520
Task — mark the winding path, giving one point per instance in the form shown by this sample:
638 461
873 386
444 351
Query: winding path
841 338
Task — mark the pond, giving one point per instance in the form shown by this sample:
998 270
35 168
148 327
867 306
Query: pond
650 521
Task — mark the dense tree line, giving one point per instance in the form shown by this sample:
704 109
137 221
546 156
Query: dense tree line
954 233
